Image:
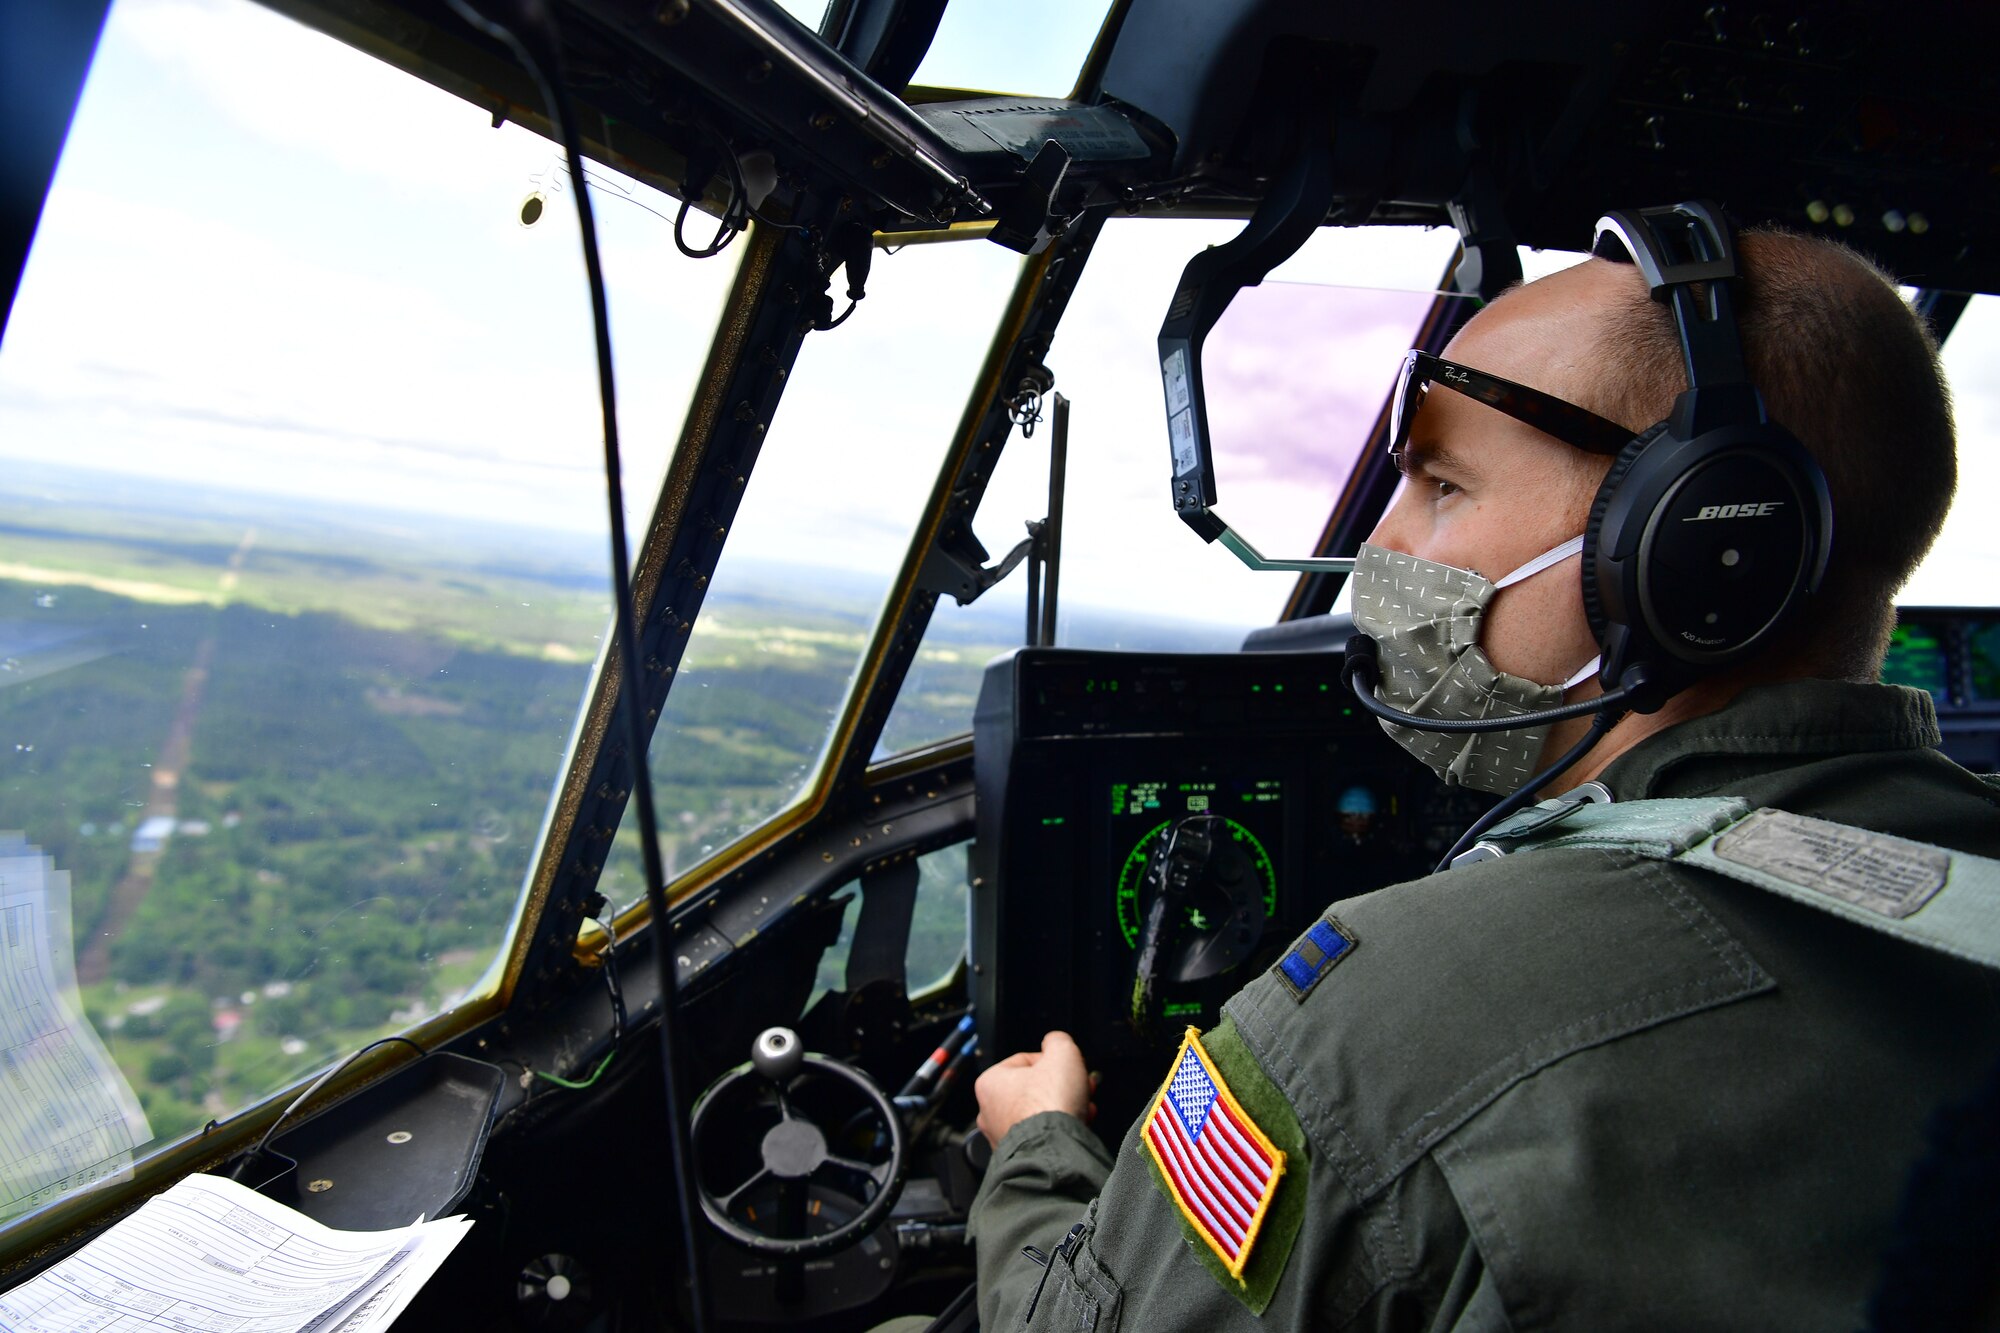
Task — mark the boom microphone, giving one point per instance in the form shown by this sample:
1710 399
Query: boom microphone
1362 671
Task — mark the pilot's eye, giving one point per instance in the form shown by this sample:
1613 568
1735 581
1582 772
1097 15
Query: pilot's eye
1441 488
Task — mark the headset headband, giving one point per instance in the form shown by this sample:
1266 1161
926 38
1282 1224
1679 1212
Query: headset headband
1711 527
1688 257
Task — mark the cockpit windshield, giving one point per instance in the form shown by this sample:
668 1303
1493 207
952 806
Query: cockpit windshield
978 46
302 556
303 584
1297 373
1963 568
853 451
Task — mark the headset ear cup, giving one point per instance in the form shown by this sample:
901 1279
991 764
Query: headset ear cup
1621 467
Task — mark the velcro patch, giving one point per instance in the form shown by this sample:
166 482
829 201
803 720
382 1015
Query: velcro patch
1219 1168
1890 877
1325 943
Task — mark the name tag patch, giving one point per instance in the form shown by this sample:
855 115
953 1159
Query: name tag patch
1891 877
1308 961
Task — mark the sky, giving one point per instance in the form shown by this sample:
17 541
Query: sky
275 263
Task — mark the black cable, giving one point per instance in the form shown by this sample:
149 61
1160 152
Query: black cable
1359 674
724 232
612 984
1602 723
543 66
742 210
736 213
739 200
314 1087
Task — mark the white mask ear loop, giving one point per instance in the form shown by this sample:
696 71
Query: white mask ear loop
1555 556
1585 672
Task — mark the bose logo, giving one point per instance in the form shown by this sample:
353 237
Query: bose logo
1735 511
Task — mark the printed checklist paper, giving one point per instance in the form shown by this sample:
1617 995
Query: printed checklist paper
210 1255
67 1117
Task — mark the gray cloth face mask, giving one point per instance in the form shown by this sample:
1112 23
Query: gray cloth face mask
1425 618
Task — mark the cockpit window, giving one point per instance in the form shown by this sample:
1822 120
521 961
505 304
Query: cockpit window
979 45
853 453
302 563
938 926
1297 372
811 13
1963 568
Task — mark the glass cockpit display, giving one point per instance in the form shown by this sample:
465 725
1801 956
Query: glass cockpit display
1143 814
1917 657
1146 849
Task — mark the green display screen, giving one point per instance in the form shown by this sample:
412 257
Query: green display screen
1983 650
1916 657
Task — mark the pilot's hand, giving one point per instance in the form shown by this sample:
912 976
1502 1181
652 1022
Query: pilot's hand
1052 1079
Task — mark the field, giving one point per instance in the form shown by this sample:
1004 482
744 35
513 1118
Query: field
350 757
297 761
351 731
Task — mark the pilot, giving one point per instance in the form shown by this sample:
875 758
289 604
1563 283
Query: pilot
1574 1087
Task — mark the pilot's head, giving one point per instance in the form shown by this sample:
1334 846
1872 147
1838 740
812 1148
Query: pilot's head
1842 361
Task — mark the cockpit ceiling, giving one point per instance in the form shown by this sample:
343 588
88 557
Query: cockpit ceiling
1877 123
1803 114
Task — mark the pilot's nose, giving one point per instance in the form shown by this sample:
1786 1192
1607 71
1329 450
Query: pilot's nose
1393 529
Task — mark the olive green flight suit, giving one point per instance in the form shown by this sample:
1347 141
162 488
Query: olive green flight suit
1568 1088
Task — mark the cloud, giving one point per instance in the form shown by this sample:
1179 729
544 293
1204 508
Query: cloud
1284 386
307 93
323 292
1297 374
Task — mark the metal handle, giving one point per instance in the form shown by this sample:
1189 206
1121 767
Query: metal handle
1311 564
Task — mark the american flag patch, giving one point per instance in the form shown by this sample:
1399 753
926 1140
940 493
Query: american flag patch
1218 1167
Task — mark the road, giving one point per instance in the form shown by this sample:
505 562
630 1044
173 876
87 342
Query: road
163 798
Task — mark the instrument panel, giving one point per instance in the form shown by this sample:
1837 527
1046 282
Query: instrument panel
1954 653
1087 761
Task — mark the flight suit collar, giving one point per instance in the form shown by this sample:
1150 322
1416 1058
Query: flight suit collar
1771 727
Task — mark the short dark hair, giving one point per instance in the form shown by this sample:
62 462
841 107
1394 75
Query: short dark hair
1851 369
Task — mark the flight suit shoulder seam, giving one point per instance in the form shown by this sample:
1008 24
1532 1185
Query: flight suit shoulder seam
1727 950
1292 1075
1653 876
1731 974
1423 1125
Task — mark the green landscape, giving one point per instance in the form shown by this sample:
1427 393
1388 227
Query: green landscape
350 732
296 760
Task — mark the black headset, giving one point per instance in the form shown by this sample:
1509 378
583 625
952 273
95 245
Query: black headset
1708 533
1713 526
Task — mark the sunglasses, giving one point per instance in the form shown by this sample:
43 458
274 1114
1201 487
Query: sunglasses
1567 422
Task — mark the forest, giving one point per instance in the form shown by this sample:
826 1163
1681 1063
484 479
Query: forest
296 760
352 740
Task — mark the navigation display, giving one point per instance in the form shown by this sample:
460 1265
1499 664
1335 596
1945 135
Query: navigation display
1086 761
1142 811
1982 643
1917 657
